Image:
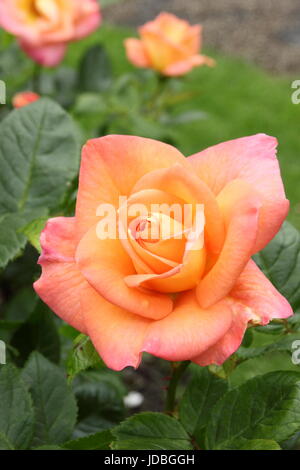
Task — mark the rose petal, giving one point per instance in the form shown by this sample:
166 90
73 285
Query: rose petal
61 283
182 277
253 299
255 291
174 28
185 66
48 25
117 335
111 166
104 263
89 18
160 50
182 183
192 40
157 264
231 341
144 203
156 200
252 159
136 53
48 56
237 250
13 21
156 261
188 330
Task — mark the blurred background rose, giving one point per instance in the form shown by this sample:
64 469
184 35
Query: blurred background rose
169 45
45 28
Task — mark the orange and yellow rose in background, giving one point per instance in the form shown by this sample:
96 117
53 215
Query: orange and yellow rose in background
45 27
174 297
169 45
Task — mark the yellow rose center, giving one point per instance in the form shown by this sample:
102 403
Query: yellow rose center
148 230
159 235
36 9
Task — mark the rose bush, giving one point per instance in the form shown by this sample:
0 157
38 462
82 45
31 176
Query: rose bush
176 298
169 45
45 27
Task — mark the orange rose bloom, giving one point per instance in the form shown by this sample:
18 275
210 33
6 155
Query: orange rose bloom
178 288
169 45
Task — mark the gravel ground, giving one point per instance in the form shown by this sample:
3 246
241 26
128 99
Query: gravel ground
266 32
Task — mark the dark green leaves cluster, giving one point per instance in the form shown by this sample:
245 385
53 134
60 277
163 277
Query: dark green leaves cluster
40 410
16 411
266 408
151 431
280 261
37 407
38 160
135 103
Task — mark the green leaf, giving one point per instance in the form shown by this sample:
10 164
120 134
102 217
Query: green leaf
281 343
248 338
254 444
39 333
100 398
294 321
90 103
280 261
15 313
201 394
61 84
4 443
22 271
265 407
268 362
98 441
83 356
19 309
12 240
54 402
16 412
38 158
95 74
151 431
32 231
275 327
293 443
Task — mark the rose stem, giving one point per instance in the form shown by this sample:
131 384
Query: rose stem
178 369
36 78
